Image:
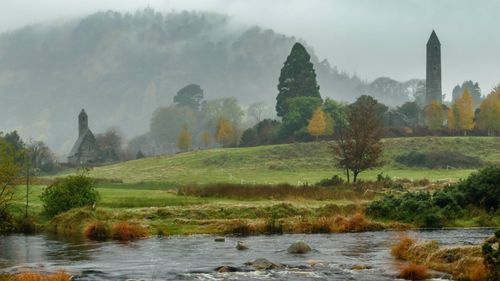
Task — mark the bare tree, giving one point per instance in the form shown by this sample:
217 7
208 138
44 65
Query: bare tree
9 171
256 111
41 158
358 147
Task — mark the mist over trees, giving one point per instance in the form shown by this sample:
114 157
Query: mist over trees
121 67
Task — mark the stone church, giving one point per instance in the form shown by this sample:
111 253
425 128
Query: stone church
85 150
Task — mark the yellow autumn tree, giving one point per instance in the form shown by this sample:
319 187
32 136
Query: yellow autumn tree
225 132
317 124
205 138
489 113
434 115
452 124
184 139
461 113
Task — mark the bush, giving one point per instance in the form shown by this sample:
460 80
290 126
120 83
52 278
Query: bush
439 160
333 181
479 190
67 193
482 189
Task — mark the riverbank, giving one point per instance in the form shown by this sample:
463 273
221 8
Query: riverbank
234 209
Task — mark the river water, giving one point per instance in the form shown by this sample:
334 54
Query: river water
195 257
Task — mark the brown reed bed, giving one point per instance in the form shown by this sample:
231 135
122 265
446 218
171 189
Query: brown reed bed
279 191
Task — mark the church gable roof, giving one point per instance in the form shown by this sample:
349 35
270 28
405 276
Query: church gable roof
76 147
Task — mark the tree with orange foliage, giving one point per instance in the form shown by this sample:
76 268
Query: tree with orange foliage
489 113
452 124
434 115
205 138
461 113
225 133
184 140
317 124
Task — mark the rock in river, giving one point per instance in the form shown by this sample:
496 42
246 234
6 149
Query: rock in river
240 245
264 264
299 247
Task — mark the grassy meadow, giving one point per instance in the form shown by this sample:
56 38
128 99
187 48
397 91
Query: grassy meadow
292 163
160 192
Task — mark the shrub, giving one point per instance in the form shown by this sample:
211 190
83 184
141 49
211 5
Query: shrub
333 181
413 271
411 207
124 231
482 189
67 193
439 159
97 230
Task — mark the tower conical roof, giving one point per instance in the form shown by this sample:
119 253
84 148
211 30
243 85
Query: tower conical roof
433 39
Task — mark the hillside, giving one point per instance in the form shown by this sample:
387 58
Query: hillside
293 163
121 67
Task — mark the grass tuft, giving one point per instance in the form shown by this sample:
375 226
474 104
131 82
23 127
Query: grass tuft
400 249
124 231
413 271
478 272
35 276
97 230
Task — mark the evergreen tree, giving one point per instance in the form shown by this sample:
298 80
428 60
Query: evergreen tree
189 96
297 79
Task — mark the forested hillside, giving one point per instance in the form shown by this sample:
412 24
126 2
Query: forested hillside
121 67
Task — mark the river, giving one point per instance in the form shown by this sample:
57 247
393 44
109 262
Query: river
195 257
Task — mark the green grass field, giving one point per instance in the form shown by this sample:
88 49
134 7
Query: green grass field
291 163
148 194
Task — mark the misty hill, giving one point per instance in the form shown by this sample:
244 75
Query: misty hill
120 67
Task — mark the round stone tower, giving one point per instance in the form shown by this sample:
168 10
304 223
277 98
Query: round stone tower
433 76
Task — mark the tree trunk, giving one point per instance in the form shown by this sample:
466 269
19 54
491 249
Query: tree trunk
354 177
348 176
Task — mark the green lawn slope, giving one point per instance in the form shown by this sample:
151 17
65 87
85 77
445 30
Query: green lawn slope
292 163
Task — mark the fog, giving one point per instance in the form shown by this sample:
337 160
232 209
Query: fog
369 38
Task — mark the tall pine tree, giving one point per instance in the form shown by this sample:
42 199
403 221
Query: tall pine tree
297 79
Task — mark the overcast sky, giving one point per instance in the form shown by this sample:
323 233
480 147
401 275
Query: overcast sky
372 38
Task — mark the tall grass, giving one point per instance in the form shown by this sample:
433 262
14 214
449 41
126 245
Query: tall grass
279 191
336 224
97 230
400 249
124 231
35 276
414 271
